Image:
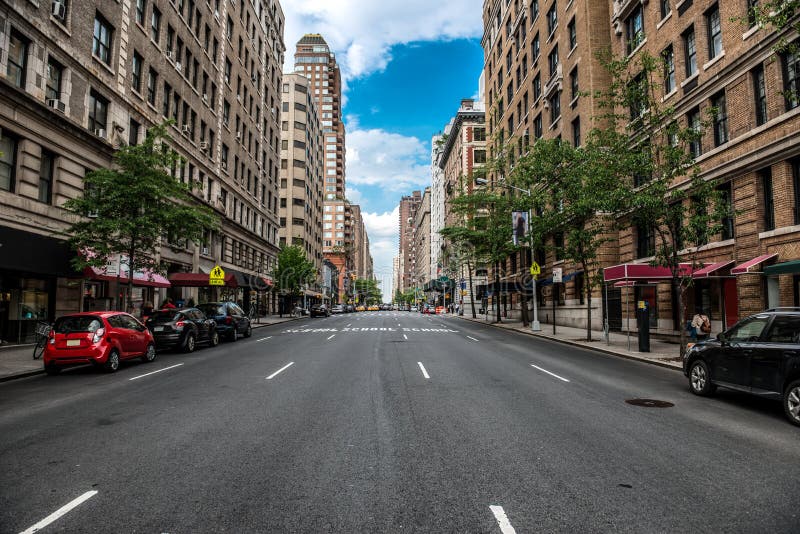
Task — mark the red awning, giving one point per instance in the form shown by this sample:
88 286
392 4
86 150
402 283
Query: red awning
199 280
623 283
706 271
744 268
642 272
140 278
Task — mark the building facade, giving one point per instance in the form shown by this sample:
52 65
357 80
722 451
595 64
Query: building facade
80 79
407 262
421 244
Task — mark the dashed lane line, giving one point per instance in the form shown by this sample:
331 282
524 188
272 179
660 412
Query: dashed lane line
424 372
154 372
279 371
331 336
60 512
502 520
405 336
549 373
264 338
472 338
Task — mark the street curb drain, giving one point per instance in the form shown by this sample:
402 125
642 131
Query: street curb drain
649 403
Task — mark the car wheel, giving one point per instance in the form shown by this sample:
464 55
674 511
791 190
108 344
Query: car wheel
112 363
234 335
150 354
189 345
249 331
791 402
700 379
52 370
214 338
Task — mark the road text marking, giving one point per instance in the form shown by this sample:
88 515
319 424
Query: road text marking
61 511
332 335
422 368
282 369
154 372
265 338
472 338
549 373
502 520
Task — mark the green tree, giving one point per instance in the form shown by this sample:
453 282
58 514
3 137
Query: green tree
293 270
129 209
368 291
649 149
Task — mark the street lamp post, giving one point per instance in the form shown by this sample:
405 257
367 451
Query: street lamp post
535 325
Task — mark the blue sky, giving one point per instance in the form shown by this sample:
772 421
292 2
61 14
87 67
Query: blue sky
406 65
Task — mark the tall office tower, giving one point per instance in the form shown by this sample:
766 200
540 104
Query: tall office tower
79 80
408 210
301 170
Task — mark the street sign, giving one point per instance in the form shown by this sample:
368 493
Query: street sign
443 279
216 277
536 270
464 292
463 284
557 275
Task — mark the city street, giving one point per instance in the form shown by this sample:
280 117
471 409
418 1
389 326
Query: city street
388 422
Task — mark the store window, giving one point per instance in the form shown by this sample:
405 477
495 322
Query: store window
8 152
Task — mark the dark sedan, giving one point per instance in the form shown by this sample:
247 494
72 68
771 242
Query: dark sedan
231 320
320 310
182 329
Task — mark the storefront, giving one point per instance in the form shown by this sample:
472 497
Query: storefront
103 291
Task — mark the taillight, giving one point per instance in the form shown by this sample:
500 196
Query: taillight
52 337
98 335
228 319
179 325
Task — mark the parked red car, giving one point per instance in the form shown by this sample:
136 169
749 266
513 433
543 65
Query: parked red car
100 338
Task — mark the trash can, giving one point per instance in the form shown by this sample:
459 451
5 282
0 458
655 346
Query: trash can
643 325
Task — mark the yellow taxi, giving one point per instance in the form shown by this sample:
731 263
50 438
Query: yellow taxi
373 308
360 308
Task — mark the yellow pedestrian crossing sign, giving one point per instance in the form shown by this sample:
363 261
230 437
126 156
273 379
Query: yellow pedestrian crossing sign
535 269
216 277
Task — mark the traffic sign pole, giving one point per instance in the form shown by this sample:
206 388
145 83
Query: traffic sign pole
535 326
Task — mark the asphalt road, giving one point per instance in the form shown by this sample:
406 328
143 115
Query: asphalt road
390 422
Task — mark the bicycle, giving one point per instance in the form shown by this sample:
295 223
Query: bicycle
42 335
252 313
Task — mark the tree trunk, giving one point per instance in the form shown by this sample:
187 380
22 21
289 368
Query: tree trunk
681 320
496 294
523 296
588 289
471 292
127 307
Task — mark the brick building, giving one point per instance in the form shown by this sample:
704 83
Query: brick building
407 260
78 80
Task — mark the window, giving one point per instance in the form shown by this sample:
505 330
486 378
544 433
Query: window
690 51
136 72
748 330
726 199
555 107
720 110
55 73
8 152
479 156
535 47
791 78
714 32
479 134
573 34
765 177
634 29
637 92
552 61
665 8
17 59
140 7
645 241
133 133
784 329
152 79
98 111
696 141
668 59
101 40
155 25
760 95
796 183
558 245
576 132
46 177
573 83
752 11
552 19
537 127
166 99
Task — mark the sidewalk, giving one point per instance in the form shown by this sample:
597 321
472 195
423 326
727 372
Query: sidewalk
661 353
16 361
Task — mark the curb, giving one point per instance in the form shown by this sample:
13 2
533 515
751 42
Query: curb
24 374
579 345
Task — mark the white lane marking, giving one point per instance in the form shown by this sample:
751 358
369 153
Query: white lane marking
549 373
502 520
282 369
265 338
422 368
405 336
349 324
398 324
472 338
61 511
154 372
331 336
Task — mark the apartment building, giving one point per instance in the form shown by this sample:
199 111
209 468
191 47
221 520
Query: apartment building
717 57
80 79
301 194
421 243
407 263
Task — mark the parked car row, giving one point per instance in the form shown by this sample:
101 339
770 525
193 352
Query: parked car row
106 338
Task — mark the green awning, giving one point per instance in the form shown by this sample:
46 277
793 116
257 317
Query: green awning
787 267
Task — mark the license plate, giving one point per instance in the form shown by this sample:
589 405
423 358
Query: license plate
158 329
73 342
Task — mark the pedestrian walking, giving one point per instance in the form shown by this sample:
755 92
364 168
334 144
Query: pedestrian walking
168 304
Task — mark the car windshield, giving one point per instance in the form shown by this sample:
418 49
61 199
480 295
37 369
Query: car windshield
164 316
212 309
83 323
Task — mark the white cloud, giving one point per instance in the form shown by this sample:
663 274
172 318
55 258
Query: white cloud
362 32
393 162
383 231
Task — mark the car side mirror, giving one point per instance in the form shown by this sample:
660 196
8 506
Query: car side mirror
722 339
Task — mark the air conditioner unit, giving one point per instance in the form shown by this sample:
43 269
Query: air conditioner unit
227 79
224 166
169 54
253 77
239 98
205 98
185 129
178 66
57 104
92 215
238 135
100 132
59 9
203 145
204 251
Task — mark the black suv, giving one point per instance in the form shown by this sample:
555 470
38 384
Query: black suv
759 355
182 329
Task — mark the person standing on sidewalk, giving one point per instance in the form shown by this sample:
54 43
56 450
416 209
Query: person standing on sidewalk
701 325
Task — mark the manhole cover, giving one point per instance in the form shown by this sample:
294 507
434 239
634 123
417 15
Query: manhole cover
650 403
